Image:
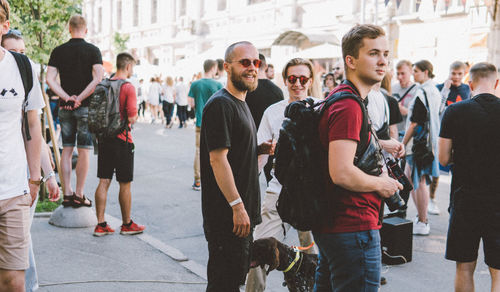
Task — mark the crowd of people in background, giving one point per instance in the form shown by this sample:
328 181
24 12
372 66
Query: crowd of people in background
237 112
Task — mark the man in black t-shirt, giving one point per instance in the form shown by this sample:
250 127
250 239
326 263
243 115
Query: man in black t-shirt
470 139
266 94
79 66
229 171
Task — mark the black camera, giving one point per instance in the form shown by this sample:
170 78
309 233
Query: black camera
396 201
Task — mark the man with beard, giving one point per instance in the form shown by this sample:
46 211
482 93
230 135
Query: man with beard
229 171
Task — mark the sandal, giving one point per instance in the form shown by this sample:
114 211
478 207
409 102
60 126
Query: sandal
81 202
68 201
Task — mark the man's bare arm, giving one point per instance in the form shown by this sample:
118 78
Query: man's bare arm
409 133
344 173
54 85
97 74
191 101
225 180
445 152
393 132
33 148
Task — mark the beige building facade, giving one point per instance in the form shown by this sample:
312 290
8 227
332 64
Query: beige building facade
177 35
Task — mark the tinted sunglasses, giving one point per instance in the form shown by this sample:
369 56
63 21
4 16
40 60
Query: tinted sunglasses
302 79
247 62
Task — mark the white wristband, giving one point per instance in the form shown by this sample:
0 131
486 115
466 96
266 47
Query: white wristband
51 174
235 202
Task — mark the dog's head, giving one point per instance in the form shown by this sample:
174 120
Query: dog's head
265 252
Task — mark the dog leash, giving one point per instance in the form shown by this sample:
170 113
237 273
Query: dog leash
301 248
297 258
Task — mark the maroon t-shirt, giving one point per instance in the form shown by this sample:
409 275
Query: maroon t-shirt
351 211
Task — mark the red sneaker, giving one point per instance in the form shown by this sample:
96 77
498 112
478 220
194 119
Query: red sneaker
101 231
132 228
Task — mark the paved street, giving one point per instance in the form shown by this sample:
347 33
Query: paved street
164 201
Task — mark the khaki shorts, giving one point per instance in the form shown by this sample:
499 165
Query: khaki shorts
15 232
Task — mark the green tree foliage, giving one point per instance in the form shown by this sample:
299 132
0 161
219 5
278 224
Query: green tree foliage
43 23
120 42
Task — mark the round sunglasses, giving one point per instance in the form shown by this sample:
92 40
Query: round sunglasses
302 79
247 62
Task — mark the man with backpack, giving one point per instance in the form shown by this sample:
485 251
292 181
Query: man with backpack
116 153
349 240
17 193
79 66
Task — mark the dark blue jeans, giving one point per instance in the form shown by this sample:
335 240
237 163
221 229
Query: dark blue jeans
348 262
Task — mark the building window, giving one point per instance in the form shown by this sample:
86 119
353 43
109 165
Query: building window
182 8
136 13
250 2
119 15
221 5
154 11
99 20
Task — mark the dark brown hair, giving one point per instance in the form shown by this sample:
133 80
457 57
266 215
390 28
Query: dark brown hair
208 65
123 59
352 41
482 70
424 65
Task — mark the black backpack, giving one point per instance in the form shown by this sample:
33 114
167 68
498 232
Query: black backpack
104 109
24 66
301 164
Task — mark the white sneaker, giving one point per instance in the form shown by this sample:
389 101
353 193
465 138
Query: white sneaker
421 228
432 208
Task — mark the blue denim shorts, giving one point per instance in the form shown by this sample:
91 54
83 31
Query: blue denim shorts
75 127
348 262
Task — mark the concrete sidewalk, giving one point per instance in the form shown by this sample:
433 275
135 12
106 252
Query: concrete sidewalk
74 260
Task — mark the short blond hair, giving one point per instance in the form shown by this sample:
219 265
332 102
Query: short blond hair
77 22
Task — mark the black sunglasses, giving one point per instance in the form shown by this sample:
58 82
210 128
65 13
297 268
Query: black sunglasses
302 79
247 62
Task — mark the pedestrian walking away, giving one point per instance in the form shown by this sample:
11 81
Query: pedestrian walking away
116 154
475 204
199 93
229 172
79 66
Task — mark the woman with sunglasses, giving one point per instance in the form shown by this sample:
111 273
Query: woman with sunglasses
299 77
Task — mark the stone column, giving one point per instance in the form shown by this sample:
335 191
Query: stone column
494 39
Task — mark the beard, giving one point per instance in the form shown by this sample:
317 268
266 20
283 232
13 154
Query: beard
240 84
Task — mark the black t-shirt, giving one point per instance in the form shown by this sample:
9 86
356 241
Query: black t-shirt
395 116
74 60
227 123
474 131
266 94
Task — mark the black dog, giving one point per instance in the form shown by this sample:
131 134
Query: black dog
301 270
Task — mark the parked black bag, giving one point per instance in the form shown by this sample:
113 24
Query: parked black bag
423 153
301 163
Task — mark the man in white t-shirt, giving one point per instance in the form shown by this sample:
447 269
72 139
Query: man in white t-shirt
16 193
299 77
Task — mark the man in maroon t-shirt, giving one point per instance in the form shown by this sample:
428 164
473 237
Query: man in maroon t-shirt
349 243
117 154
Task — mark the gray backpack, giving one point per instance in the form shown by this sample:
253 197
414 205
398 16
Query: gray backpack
104 109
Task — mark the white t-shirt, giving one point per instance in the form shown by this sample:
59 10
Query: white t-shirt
168 93
269 128
154 93
378 109
13 164
181 97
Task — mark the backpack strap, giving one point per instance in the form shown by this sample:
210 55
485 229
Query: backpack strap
24 66
347 90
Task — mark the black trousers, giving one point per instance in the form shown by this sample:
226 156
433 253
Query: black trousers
228 261
168 109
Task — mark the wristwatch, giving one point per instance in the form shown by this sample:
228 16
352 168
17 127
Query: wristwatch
35 182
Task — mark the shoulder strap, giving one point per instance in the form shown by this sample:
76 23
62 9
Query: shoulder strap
24 66
406 93
344 91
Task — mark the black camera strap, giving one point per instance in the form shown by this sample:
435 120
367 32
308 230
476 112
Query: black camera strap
406 93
